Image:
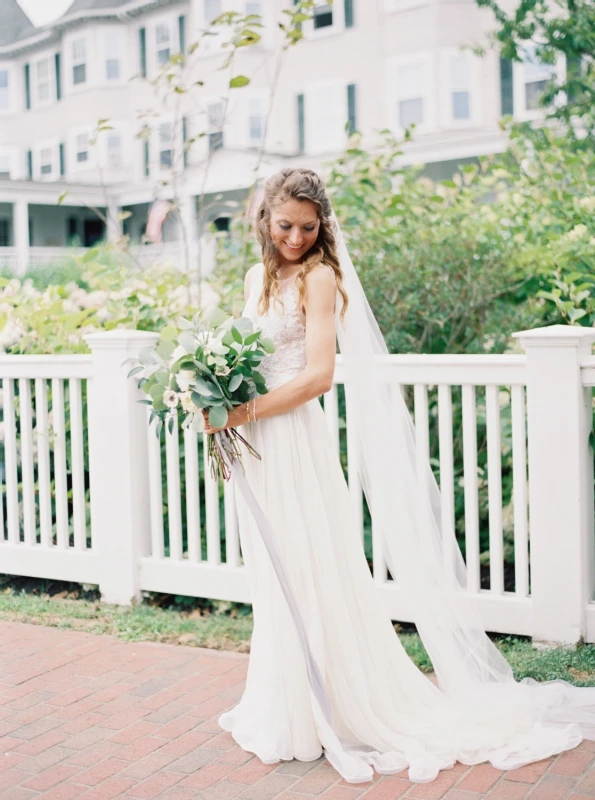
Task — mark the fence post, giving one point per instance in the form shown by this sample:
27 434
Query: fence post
119 485
560 481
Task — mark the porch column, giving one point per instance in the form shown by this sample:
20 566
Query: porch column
560 481
190 232
114 223
20 225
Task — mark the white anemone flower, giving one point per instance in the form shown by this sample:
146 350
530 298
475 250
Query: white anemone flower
187 403
184 378
170 398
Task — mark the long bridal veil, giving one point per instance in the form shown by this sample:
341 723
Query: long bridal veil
421 552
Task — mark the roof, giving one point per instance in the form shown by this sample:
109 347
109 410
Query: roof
94 5
15 25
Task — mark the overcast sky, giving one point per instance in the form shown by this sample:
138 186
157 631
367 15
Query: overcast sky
42 11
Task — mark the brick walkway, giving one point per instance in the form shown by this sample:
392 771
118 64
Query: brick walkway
94 717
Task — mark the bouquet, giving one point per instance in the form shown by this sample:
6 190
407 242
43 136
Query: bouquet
204 364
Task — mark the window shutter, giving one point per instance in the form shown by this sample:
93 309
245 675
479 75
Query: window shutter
142 42
184 139
58 74
351 116
62 165
349 13
27 86
182 33
573 74
301 124
30 164
506 87
146 169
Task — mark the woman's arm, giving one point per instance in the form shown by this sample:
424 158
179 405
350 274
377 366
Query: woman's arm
317 377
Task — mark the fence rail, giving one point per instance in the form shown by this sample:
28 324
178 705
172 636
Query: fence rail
90 494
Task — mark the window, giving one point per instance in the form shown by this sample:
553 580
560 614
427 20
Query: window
215 115
45 161
253 7
4 232
79 65
4 91
114 149
411 94
536 75
325 116
163 42
42 75
112 55
82 148
212 10
4 167
460 85
166 152
323 16
255 120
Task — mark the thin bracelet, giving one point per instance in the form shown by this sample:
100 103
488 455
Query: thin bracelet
254 409
248 411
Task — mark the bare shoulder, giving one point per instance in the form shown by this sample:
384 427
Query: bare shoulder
321 278
249 276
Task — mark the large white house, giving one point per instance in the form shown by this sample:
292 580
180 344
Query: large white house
363 64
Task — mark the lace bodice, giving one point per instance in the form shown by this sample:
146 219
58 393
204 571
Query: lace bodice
285 324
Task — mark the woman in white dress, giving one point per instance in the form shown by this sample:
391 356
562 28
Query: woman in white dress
327 673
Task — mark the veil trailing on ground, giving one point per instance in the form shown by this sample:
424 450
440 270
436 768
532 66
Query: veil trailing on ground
421 552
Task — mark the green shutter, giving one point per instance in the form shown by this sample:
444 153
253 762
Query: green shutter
184 139
182 33
506 87
146 166
27 86
301 124
30 164
62 165
351 117
58 73
142 42
573 75
349 13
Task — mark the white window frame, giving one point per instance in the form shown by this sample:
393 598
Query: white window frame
113 53
338 26
81 148
215 129
77 62
251 101
258 3
426 60
160 141
6 158
38 160
447 88
519 86
5 92
114 158
312 145
49 81
165 24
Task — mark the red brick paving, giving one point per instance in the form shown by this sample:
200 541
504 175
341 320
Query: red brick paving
92 717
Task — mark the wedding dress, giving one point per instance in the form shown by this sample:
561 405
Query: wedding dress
375 709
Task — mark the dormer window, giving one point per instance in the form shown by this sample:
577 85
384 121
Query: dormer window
79 62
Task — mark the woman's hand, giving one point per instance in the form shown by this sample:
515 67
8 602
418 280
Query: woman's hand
235 418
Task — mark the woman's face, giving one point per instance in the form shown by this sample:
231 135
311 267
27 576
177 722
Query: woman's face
294 229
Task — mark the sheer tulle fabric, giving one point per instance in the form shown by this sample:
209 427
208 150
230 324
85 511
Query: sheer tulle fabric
384 713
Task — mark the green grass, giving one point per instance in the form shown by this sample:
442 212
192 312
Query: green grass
228 626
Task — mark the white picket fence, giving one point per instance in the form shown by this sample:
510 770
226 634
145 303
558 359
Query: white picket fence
86 491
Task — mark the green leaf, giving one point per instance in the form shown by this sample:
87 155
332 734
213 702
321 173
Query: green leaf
187 340
170 425
236 335
165 349
218 417
235 382
252 338
169 333
267 345
134 371
145 402
204 387
238 82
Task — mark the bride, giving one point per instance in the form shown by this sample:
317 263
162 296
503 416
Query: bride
327 673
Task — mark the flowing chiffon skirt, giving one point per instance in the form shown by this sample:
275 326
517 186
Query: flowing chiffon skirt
386 713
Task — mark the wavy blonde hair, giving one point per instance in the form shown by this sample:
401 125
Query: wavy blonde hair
298 184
